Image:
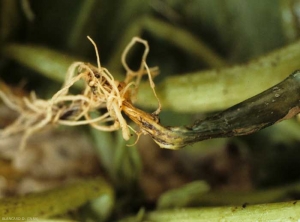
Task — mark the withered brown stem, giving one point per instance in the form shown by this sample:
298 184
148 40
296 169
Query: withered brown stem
277 103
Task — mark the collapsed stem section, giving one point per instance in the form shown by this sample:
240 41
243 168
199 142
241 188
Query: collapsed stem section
271 106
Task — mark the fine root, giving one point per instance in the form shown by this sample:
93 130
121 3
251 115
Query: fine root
100 104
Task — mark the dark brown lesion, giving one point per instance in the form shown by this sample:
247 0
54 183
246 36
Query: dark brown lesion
149 124
278 103
273 105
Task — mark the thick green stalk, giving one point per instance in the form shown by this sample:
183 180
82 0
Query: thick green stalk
219 89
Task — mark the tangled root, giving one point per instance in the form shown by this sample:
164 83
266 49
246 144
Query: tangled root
100 105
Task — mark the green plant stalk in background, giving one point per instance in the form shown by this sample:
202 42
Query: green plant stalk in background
57 201
286 211
175 35
197 194
215 89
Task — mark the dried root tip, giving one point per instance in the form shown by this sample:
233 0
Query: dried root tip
101 92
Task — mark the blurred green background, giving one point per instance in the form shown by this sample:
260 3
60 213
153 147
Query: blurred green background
40 39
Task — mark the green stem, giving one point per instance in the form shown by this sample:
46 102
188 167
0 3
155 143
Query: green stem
219 89
57 201
50 63
81 22
185 41
175 35
197 194
286 211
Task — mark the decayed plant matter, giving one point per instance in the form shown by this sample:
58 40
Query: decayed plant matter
99 105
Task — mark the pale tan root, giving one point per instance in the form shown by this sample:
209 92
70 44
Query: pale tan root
101 92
